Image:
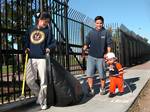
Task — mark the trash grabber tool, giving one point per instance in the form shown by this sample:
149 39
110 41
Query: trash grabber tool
24 77
128 86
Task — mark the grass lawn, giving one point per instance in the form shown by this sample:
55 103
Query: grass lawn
9 68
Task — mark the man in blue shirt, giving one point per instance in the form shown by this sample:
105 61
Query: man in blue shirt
99 42
38 41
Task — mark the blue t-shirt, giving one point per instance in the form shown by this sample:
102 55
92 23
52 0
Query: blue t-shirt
37 40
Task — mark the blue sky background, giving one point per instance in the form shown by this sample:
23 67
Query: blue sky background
134 14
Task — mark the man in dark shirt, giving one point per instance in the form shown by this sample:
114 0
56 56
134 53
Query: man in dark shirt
38 41
99 42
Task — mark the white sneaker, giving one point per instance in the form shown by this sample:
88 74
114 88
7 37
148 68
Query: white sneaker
44 107
91 92
102 91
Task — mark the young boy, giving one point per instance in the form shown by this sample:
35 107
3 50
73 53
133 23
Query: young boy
115 75
38 41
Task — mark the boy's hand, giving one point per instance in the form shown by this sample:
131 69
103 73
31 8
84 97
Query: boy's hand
84 47
27 50
47 50
111 67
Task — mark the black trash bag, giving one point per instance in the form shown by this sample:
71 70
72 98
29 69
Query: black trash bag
50 85
65 90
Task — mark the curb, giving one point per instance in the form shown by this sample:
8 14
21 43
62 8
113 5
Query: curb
137 95
6 107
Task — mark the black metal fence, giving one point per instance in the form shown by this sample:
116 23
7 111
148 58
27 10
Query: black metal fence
69 27
16 17
130 48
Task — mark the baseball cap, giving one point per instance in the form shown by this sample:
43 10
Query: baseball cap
110 55
43 15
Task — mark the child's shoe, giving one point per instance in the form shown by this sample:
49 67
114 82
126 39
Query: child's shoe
111 95
120 93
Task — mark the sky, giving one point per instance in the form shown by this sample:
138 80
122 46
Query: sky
134 14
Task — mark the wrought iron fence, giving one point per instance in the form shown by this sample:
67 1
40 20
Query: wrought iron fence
133 48
16 17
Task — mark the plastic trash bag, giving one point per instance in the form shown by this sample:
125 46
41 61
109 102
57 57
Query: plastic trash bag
63 88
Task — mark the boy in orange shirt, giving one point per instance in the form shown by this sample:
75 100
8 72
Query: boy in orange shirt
115 75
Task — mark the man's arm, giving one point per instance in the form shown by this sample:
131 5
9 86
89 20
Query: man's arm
85 47
50 42
109 41
25 41
87 42
108 49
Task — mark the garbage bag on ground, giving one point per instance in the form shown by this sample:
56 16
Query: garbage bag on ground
63 88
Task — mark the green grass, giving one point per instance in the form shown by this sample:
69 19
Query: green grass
9 68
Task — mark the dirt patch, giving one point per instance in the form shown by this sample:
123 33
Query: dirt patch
142 103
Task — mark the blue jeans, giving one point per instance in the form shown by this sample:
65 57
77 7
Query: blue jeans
94 64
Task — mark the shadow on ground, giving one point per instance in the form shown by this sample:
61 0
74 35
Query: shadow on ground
130 86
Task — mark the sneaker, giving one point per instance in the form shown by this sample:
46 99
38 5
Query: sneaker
111 95
120 93
102 91
91 92
44 107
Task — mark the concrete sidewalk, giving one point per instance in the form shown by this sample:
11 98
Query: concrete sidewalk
136 77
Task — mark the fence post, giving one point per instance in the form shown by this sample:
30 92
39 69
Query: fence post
41 5
82 39
66 35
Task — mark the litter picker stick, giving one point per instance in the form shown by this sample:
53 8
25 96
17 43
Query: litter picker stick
128 86
24 76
